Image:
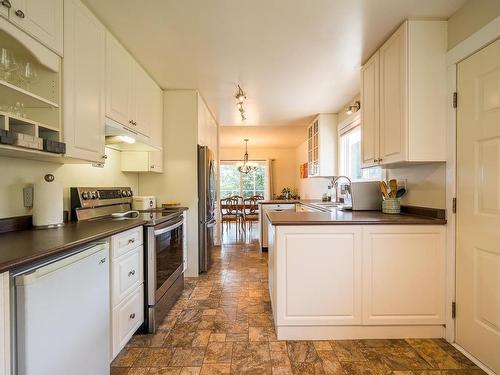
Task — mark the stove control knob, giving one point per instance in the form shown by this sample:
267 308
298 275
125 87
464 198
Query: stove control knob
93 195
129 193
85 195
124 193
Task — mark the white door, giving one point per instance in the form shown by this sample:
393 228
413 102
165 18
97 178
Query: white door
478 206
83 73
370 111
41 19
393 96
118 82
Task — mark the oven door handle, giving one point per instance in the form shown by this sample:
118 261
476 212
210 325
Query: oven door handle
167 229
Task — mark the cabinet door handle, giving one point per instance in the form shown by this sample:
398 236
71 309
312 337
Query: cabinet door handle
132 240
6 3
20 13
132 316
131 273
105 156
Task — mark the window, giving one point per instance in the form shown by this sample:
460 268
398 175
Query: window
350 155
232 182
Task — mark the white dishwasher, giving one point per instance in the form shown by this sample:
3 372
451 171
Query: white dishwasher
264 221
62 315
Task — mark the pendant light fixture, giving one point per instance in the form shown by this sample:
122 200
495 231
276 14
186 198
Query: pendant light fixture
245 167
240 98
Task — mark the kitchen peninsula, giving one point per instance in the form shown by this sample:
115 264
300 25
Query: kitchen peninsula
364 274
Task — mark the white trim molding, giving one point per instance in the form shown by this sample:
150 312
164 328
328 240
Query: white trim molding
481 38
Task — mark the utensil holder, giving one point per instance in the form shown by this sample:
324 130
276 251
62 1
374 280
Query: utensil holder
391 206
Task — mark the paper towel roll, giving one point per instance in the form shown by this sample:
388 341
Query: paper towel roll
47 202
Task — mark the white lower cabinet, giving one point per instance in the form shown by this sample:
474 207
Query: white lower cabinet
127 287
357 281
403 275
4 325
127 318
318 276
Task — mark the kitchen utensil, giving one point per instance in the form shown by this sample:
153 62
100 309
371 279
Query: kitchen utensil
47 203
401 192
132 214
393 185
383 189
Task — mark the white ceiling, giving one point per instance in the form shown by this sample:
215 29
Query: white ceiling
294 58
262 136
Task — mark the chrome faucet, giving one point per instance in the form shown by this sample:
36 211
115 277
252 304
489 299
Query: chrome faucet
335 181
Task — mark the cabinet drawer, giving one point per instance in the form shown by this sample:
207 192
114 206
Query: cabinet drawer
126 274
125 241
127 318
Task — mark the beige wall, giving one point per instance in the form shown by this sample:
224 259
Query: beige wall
426 184
19 173
285 171
470 18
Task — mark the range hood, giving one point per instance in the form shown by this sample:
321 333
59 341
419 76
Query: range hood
121 138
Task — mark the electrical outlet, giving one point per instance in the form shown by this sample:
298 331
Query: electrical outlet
28 196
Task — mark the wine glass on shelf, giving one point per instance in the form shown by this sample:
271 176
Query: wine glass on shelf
7 63
27 73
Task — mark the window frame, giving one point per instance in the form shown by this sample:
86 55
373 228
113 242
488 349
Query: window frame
233 163
345 127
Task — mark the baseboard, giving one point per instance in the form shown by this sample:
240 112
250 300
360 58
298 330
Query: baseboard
358 332
476 361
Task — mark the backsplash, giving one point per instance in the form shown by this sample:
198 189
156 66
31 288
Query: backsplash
19 173
426 184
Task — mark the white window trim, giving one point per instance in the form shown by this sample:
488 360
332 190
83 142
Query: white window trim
344 127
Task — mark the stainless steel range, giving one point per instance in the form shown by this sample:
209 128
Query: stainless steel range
164 244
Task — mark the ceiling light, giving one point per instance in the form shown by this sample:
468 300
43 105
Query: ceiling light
126 139
240 98
246 167
353 108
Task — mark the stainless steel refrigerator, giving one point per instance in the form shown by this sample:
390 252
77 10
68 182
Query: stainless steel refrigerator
206 206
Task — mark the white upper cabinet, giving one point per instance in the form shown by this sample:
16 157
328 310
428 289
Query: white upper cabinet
370 110
118 82
403 92
133 99
322 146
43 20
84 76
4 10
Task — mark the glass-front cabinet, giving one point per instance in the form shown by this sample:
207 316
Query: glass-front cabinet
322 146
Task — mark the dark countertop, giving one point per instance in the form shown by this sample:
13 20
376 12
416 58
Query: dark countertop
22 248
338 217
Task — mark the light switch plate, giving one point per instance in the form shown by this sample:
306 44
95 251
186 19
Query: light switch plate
28 196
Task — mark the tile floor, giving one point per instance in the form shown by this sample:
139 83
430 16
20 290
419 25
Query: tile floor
222 325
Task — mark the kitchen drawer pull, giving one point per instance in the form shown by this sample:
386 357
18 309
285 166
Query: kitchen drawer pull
6 3
103 260
132 316
131 273
20 13
132 240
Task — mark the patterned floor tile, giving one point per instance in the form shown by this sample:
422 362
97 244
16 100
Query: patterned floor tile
222 324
